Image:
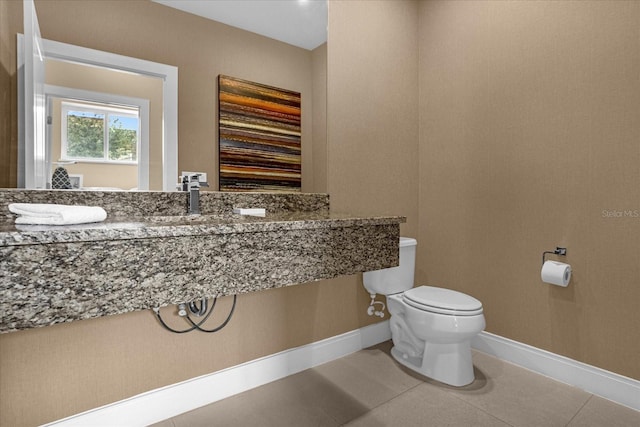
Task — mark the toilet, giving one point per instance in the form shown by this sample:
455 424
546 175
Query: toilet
431 327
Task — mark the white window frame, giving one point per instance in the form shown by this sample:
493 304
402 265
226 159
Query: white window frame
62 92
97 108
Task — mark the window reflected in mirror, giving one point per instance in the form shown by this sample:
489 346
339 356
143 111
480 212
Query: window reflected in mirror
99 132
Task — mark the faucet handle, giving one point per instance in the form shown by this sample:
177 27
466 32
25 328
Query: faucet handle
194 181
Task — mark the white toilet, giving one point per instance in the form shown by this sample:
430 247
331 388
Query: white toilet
431 327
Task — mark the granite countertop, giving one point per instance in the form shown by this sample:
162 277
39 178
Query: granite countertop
141 256
174 226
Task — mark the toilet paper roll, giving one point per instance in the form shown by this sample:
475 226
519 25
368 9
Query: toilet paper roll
556 273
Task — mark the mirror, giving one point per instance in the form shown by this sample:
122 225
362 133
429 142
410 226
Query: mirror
168 36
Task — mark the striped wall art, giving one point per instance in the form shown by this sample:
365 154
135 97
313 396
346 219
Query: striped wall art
259 137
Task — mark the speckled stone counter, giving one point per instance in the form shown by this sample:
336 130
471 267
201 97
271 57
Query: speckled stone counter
130 205
154 255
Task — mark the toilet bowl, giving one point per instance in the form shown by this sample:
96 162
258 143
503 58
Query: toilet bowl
431 327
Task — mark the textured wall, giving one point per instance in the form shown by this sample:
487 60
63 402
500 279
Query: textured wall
372 108
529 115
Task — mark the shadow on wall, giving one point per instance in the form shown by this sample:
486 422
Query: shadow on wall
8 119
8 95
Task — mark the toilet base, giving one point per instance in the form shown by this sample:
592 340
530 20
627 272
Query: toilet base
448 363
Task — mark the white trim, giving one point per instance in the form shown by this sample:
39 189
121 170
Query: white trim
164 403
609 385
31 102
22 116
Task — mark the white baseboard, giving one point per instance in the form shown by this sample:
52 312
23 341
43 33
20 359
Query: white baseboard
611 386
166 402
163 403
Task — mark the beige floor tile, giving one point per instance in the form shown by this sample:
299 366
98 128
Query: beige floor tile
369 388
336 392
426 405
292 401
355 385
518 396
370 376
377 363
601 412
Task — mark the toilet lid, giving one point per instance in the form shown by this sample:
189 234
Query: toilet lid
443 301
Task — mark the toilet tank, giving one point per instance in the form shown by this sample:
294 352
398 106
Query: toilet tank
395 279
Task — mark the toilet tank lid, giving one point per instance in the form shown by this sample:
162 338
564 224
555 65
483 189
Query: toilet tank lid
407 241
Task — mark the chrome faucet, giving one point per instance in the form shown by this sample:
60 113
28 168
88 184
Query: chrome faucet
192 184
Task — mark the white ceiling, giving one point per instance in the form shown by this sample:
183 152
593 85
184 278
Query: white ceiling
302 23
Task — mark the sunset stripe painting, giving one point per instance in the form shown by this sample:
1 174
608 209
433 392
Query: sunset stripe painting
259 137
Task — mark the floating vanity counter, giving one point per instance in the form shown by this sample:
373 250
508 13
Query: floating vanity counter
54 274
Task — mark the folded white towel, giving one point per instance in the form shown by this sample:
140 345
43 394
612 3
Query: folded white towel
51 214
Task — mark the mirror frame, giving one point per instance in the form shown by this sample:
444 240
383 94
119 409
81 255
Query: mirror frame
31 157
93 57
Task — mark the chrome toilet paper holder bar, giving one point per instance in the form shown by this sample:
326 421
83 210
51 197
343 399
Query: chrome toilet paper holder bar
558 251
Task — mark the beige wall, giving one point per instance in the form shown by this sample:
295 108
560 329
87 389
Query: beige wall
372 109
530 116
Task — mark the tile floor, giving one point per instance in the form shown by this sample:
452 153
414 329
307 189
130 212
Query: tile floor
369 388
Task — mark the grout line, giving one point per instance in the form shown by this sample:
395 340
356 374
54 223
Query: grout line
397 396
389 400
451 393
579 410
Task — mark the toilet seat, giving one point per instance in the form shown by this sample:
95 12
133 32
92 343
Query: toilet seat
442 301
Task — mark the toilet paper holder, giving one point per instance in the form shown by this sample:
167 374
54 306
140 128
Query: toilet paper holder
558 251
